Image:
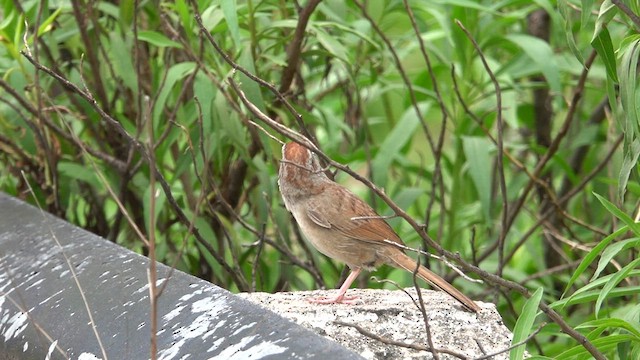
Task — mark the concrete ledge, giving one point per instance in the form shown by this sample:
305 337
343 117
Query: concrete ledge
392 317
42 311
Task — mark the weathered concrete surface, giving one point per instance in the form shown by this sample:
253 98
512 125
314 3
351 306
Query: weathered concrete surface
393 315
42 311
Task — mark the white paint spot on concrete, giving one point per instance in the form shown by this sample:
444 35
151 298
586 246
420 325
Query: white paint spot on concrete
173 313
50 297
257 351
88 356
244 327
34 284
17 324
145 287
51 347
204 325
187 297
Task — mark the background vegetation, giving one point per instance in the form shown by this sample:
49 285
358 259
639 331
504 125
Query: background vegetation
505 131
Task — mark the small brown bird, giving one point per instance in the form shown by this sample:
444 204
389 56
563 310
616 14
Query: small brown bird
342 226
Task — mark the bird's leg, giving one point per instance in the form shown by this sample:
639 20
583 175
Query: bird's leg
341 298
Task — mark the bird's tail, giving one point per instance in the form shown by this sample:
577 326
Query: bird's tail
403 261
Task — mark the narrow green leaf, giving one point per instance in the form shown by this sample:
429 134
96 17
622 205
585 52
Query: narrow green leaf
591 296
126 12
592 255
613 323
603 344
540 52
603 46
46 24
408 196
402 132
629 162
612 251
613 282
524 324
120 54
630 51
183 10
567 15
250 88
176 72
229 9
331 44
79 172
607 11
477 151
466 4
586 13
633 226
157 39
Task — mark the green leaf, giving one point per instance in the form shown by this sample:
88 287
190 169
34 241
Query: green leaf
613 282
250 88
592 255
402 132
331 44
79 172
612 251
524 324
586 13
127 8
592 296
120 54
627 74
540 52
612 323
231 18
477 152
603 46
157 39
607 11
567 15
46 24
408 196
633 226
603 344
175 73
629 162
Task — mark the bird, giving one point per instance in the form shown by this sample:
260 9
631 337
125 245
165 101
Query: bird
344 227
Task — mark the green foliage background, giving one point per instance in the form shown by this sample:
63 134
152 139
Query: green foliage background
360 77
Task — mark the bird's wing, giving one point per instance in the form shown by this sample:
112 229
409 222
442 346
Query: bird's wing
352 217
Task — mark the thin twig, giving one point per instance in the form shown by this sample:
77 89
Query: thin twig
403 74
437 180
152 273
384 340
72 270
439 258
423 311
499 158
513 346
628 12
